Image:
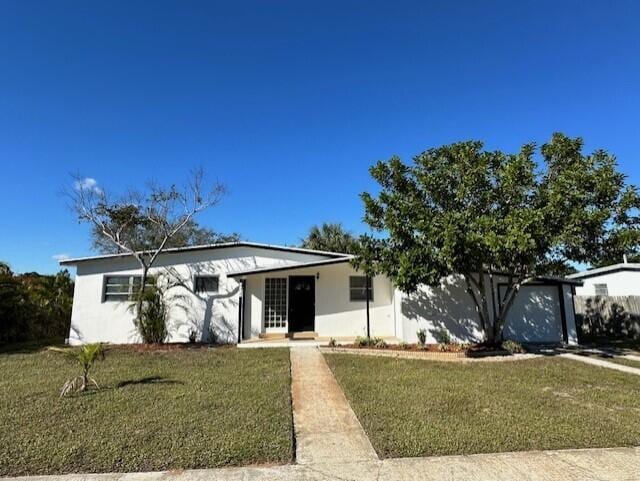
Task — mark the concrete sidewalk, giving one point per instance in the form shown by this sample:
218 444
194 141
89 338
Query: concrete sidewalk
617 464
602 363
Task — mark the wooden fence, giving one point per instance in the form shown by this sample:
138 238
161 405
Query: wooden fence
608 316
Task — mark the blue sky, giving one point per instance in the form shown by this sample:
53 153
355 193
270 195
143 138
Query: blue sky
289 103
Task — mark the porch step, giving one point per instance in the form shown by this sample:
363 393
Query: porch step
273 335
306 335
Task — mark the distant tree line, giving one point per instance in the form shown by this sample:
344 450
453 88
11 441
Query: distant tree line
34 306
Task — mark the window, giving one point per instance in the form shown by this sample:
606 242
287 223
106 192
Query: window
206 284
358 288
601 290
122 288
275 302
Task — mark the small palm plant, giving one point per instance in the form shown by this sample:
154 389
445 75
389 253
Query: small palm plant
85 356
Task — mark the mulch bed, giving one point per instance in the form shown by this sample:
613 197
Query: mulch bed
167 347
408 347
430 351
399 353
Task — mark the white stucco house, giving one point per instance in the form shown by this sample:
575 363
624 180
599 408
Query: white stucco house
615 280
245 291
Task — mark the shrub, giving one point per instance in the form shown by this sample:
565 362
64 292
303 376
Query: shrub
193 334
452 347
442 336
34 306
363 341
333 342
514 347
152 321
212 336
403 345
422 336
379 343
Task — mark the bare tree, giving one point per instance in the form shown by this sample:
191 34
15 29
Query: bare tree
143 224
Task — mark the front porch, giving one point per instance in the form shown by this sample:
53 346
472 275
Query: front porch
311 303
288 341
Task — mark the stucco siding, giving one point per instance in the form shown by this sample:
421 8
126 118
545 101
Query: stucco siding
94 320
621 283
447 308
534 316
335 314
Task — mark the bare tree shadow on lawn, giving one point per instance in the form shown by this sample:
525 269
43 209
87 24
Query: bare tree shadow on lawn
146 380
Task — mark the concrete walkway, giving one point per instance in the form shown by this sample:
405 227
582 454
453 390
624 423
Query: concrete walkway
618 464
602 363
326 428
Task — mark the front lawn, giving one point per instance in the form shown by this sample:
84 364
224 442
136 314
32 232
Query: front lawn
424 408
192 408
625 362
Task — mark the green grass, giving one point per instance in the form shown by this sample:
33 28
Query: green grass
625 362
154 411
617 346
423 408
615 359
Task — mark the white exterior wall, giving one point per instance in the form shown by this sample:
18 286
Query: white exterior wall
335 315
533 317
621 283
446 308
94 320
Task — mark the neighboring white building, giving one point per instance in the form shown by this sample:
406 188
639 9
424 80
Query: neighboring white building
244 290
614 280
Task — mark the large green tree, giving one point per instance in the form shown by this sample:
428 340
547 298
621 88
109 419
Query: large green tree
34 306
460 209
331 237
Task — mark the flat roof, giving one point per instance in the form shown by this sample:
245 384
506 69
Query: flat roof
222 245
628 266
289 267
558 280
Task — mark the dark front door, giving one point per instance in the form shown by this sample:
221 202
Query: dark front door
302 303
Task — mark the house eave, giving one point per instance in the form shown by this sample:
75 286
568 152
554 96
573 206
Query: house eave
598 271
289 267
224 245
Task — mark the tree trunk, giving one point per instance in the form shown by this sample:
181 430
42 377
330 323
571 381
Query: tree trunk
480 303
367 287
143 283
510 296
483 299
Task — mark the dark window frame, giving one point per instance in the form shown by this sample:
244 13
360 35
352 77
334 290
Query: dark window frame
360 291
599 287
133 281
202 290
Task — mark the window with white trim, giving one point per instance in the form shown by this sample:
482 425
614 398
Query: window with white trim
275 302
206 284
358 288
601 289
123 288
